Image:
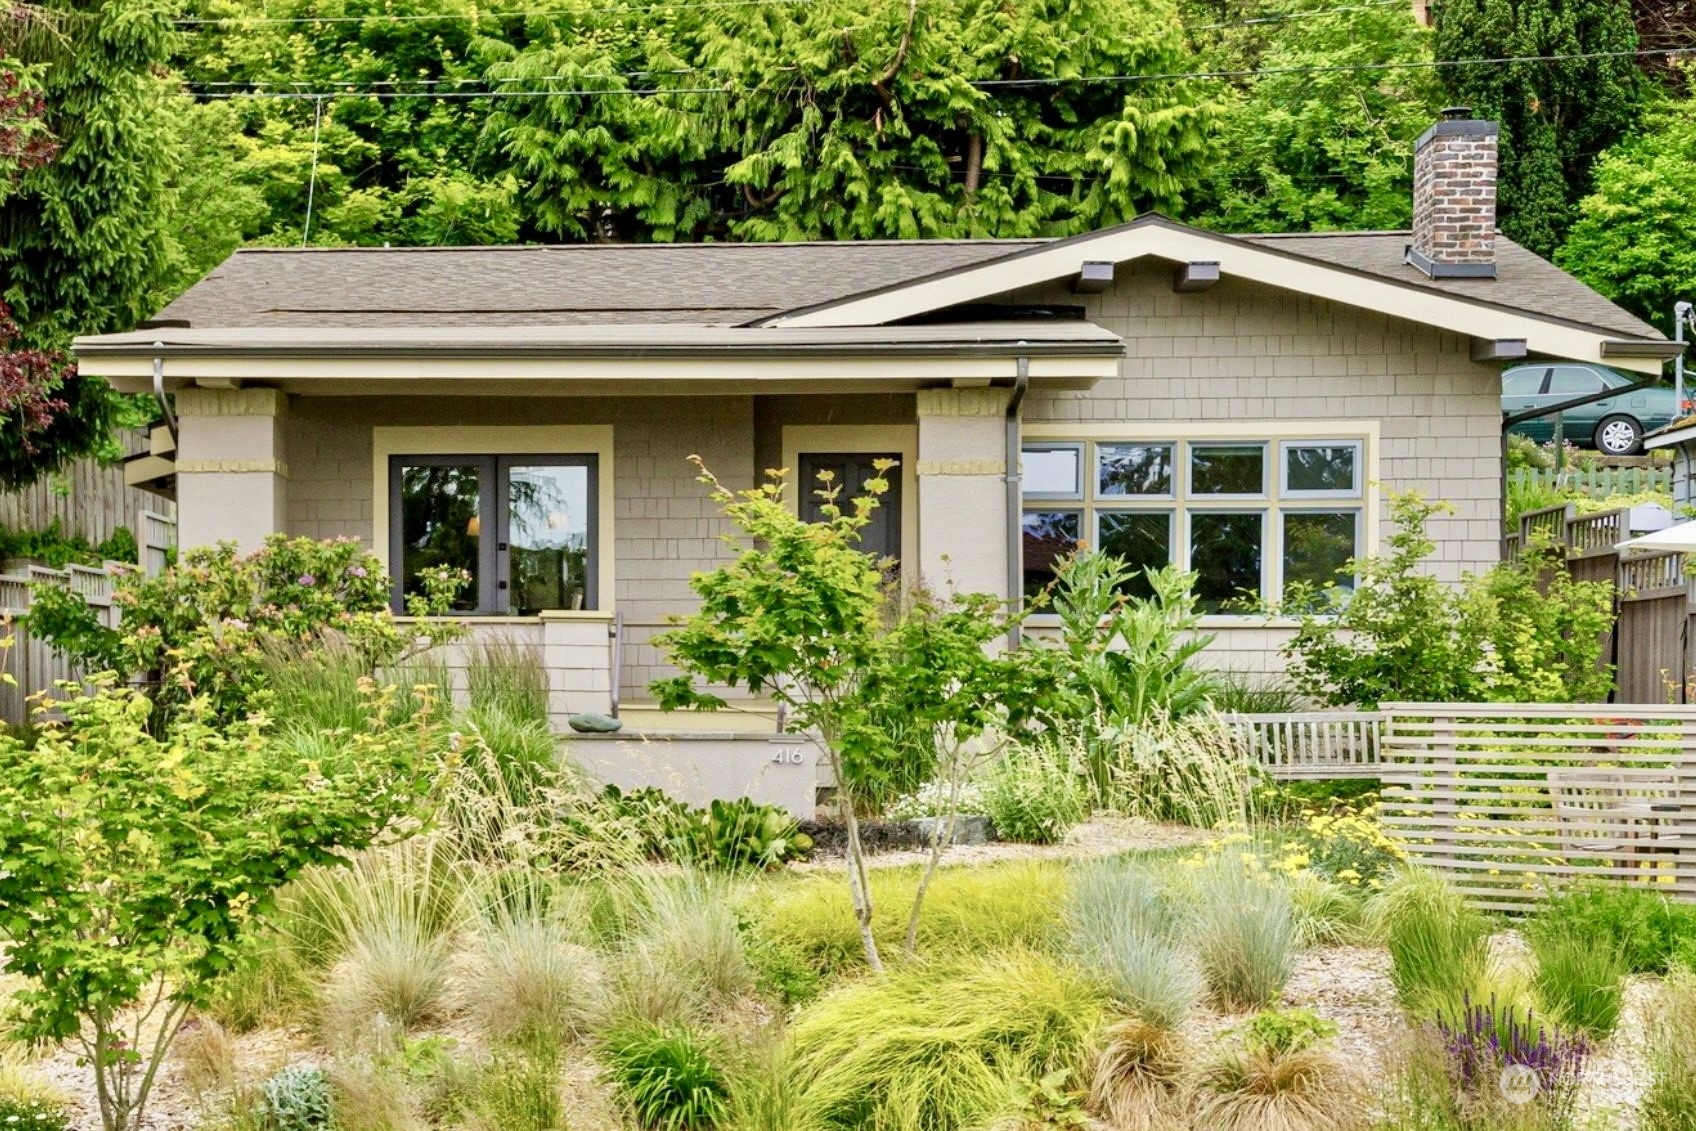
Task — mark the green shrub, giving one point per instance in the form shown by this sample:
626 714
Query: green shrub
1669 1104
1438 945
967 910
1646 926
295 1098
1514 634
1120 924
668 1075
53 547
1326 912
740 834
935 1046
1031 798
1245 932
1580 980
1282 1031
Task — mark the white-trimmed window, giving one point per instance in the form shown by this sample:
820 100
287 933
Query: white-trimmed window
1251 516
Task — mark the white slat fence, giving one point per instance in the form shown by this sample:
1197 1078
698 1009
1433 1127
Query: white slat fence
1313 744
1510 801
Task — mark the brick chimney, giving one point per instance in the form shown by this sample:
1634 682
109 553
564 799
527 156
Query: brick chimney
1454 198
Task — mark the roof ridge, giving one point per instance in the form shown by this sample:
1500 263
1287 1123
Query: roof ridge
543 247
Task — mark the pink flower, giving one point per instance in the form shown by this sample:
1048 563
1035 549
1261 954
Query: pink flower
306 579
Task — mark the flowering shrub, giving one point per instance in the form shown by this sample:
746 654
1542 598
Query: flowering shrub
1487 1038
1348 846
202 627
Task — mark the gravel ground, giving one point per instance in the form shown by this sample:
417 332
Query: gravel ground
1104 836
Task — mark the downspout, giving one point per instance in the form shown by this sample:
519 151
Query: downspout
159 391
1015 527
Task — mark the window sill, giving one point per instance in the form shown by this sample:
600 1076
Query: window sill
1050 622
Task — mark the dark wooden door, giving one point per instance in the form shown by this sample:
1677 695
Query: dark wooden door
882 536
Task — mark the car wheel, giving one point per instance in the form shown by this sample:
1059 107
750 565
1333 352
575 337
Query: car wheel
1618 436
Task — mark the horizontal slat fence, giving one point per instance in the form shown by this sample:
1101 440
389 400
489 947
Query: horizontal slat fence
1511 800
1313 744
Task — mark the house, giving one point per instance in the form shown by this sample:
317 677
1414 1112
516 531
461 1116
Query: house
1679 438
1236 404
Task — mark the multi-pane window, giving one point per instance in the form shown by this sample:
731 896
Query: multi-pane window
522 527
1251 518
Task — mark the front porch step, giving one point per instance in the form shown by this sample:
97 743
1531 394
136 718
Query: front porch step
738 718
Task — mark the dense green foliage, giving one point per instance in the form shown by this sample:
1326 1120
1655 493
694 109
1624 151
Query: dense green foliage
137 863
1631 238
667 1076
1555 116
203 627
1650 930
1502 636
55 548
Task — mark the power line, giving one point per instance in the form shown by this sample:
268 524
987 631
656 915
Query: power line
299 91
421 17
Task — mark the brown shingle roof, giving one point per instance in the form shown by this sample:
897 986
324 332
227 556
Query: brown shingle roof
723 284
560 284
1523 280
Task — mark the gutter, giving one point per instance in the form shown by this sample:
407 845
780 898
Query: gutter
1021 350
159 390
1015 524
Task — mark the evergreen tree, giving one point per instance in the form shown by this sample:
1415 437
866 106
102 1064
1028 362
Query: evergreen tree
1555 116
82 237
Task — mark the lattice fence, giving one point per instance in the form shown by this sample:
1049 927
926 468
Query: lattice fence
1512 800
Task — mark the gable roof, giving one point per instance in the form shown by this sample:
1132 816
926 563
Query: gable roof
720 284
1530 301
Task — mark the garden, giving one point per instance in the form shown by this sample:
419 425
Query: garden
290 874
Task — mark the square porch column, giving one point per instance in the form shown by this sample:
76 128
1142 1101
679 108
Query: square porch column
232 481
962 482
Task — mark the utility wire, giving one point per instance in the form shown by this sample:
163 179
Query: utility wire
299 92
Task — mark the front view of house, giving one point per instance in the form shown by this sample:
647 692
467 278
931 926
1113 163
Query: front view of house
1238 405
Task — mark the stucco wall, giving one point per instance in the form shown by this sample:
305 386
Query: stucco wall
1245 352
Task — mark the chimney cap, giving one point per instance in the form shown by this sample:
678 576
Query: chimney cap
1457 113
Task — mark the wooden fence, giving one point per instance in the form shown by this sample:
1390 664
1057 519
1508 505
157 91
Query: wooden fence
1510 800
88 500
32 664
1652 647
1315 745
1596 482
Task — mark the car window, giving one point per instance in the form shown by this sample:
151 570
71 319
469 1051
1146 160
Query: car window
1522 382
1574 381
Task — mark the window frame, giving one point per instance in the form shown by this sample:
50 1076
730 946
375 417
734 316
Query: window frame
1274 437
1093 454
1285 491
1188 490
1081 449
494 562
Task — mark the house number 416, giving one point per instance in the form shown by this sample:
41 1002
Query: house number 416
788 756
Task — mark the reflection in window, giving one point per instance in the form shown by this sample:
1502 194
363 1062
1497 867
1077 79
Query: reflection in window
1316 547
1049 537
1134 469
1225 553
1142 538
1053 470
441 525
1227 469
1320 467
548 538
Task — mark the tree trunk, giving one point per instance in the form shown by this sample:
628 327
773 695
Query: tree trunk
974 163
941 836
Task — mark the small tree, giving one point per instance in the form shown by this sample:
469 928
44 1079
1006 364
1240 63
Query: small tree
800 615
132 867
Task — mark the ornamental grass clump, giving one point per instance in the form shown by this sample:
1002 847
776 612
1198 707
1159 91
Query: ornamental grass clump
1120 924
937 1046
1439 947
1136 1075
668 1076
1281 1076
1669 1104
684 954
1580 980
1244 931
528 982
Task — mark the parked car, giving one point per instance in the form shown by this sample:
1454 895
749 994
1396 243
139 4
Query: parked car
1615 426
